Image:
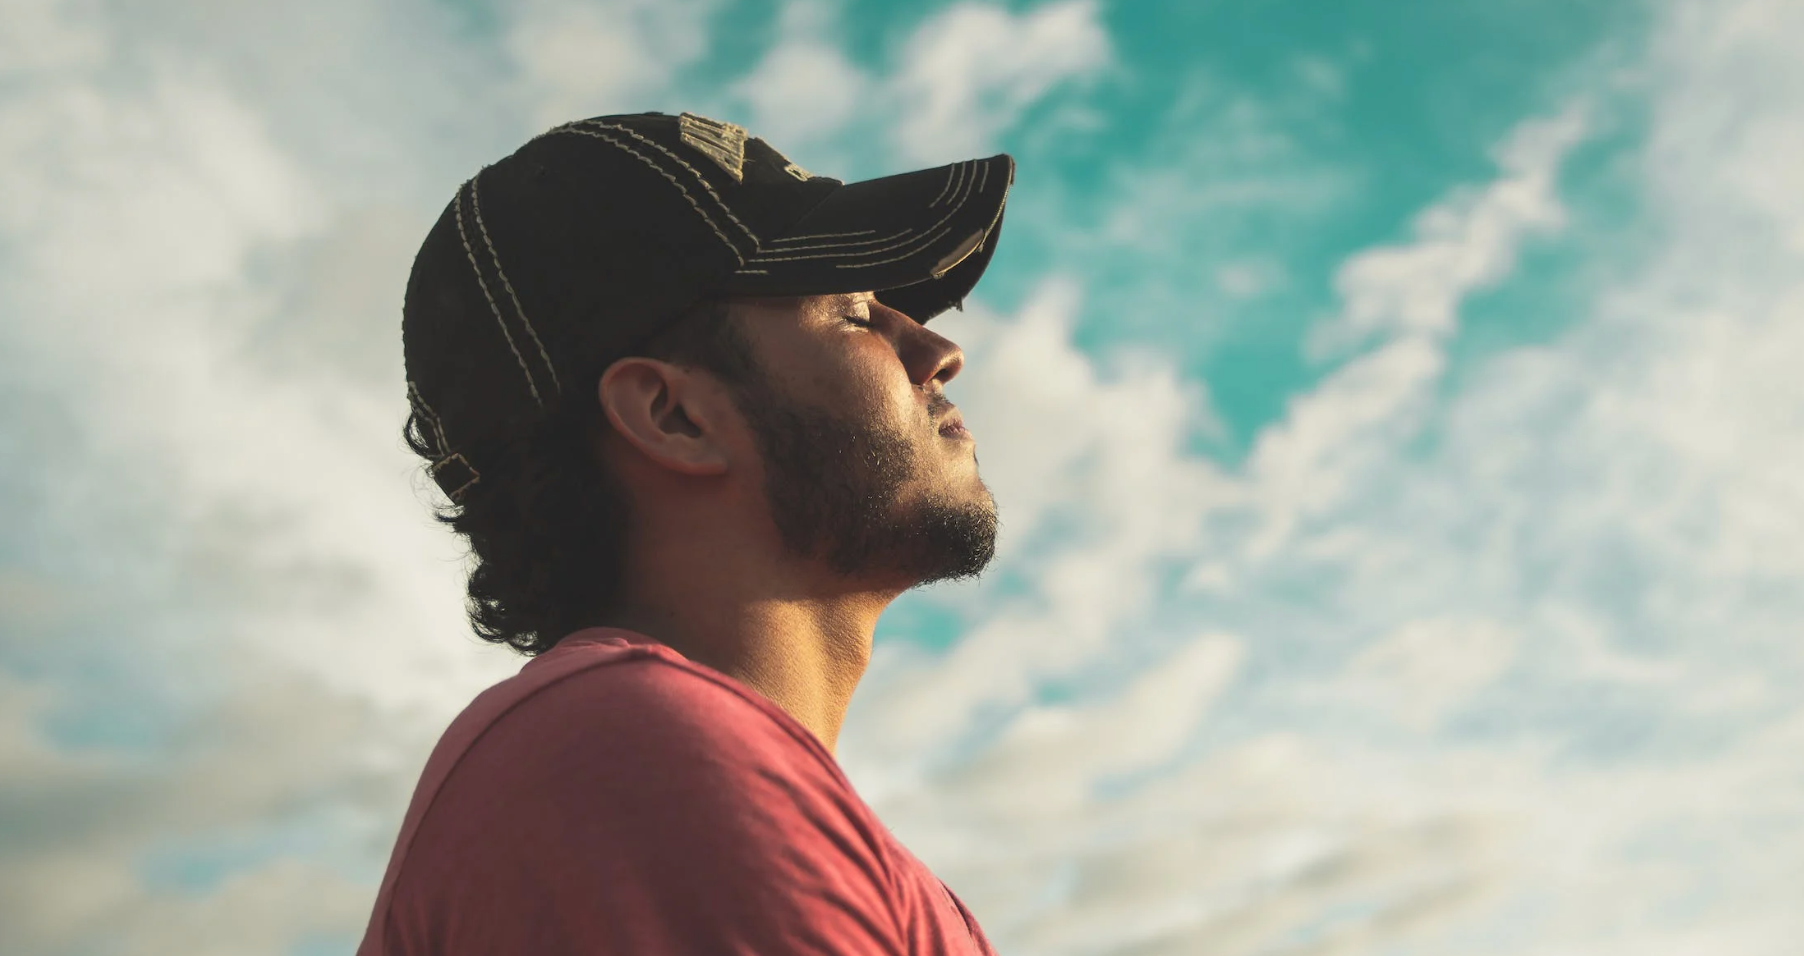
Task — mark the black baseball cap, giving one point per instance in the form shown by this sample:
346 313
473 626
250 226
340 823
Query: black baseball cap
564 256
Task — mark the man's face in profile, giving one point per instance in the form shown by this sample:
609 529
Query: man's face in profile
867 466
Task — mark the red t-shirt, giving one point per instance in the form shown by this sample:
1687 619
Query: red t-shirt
615 797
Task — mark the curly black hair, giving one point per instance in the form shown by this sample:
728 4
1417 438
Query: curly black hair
547 528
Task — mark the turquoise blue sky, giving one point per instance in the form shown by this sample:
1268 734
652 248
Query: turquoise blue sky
1392 409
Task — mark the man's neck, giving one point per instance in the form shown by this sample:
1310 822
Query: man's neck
805 653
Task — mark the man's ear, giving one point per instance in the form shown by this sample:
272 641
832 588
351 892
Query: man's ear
667 413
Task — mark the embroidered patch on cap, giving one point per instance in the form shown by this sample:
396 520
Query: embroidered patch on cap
722 142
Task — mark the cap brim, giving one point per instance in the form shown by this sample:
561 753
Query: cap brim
920 240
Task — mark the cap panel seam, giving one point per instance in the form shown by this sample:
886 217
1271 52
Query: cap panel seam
647 160
470 254
757 244
703 180
495 257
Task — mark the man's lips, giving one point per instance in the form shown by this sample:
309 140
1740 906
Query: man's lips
953 426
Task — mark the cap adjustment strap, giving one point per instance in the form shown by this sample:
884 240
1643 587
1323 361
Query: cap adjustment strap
460 466
442 455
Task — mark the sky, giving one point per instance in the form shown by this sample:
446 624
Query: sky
1392 407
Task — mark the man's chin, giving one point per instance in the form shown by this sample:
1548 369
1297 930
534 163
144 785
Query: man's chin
953 542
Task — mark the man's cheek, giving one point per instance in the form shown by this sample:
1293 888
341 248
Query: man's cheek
887 404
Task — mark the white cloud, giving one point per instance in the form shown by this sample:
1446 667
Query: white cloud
1049 756
1061 444
216 522
1193 232
1460 245
967 73
225 533
82 826
586 59
1059 866
1359 417
1321 75
1427 668
1516 646
174 190
961 80
1524 687
804 86
40 36
801 90
1248 278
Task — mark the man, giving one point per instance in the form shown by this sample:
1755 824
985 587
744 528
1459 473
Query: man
679 393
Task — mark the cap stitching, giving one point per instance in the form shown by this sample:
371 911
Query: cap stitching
438 429
483 283
678 159
822 235
763 257
749 234
958 173
647 160
924 244
495 257
961 183
964 195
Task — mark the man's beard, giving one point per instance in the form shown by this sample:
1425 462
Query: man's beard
834 489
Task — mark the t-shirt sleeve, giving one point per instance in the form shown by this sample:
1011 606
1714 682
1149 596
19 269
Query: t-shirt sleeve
644 808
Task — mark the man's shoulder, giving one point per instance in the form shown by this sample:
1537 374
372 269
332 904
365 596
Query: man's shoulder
613 695
598 794
605 734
